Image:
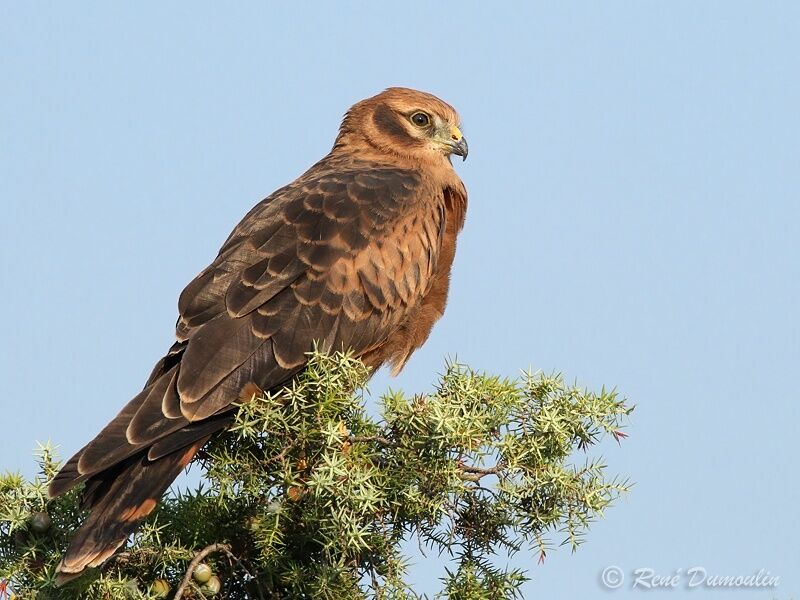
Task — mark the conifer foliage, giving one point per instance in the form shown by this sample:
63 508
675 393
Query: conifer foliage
309 495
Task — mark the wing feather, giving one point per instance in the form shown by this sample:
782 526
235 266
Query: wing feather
339 259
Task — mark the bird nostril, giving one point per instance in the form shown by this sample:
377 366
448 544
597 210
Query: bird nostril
454 136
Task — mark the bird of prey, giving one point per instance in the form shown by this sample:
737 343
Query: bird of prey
355 254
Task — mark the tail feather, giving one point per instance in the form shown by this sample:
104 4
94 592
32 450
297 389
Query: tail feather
120 500
129 465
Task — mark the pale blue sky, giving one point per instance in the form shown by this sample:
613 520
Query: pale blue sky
633 179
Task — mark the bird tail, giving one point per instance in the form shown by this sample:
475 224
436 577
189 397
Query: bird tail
120 499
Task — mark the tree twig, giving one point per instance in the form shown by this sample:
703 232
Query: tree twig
473 473
369 438
482 470
198 558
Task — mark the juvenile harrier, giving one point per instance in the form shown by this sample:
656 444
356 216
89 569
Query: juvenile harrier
355 253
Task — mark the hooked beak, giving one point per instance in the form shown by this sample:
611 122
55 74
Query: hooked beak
458 143
461 148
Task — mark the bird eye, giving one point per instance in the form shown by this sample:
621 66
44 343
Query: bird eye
420 119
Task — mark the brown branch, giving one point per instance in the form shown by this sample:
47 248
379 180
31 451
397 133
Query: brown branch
375 585
473 473
482 470
198 558
370 438
225 549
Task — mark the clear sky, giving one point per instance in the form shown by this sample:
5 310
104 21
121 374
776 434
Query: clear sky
633 221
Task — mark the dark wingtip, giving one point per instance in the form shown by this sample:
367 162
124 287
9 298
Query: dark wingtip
66 478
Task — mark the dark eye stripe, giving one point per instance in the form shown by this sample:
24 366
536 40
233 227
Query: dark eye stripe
391 124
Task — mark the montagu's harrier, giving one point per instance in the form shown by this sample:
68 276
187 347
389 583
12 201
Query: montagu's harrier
354 254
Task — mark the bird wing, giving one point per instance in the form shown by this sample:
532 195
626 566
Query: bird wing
338 258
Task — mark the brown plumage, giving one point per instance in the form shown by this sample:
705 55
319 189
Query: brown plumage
354 254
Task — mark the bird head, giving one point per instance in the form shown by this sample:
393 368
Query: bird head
406 123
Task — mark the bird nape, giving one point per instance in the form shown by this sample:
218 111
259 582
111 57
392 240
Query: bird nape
355 254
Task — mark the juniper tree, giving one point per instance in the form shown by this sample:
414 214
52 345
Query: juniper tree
308 496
